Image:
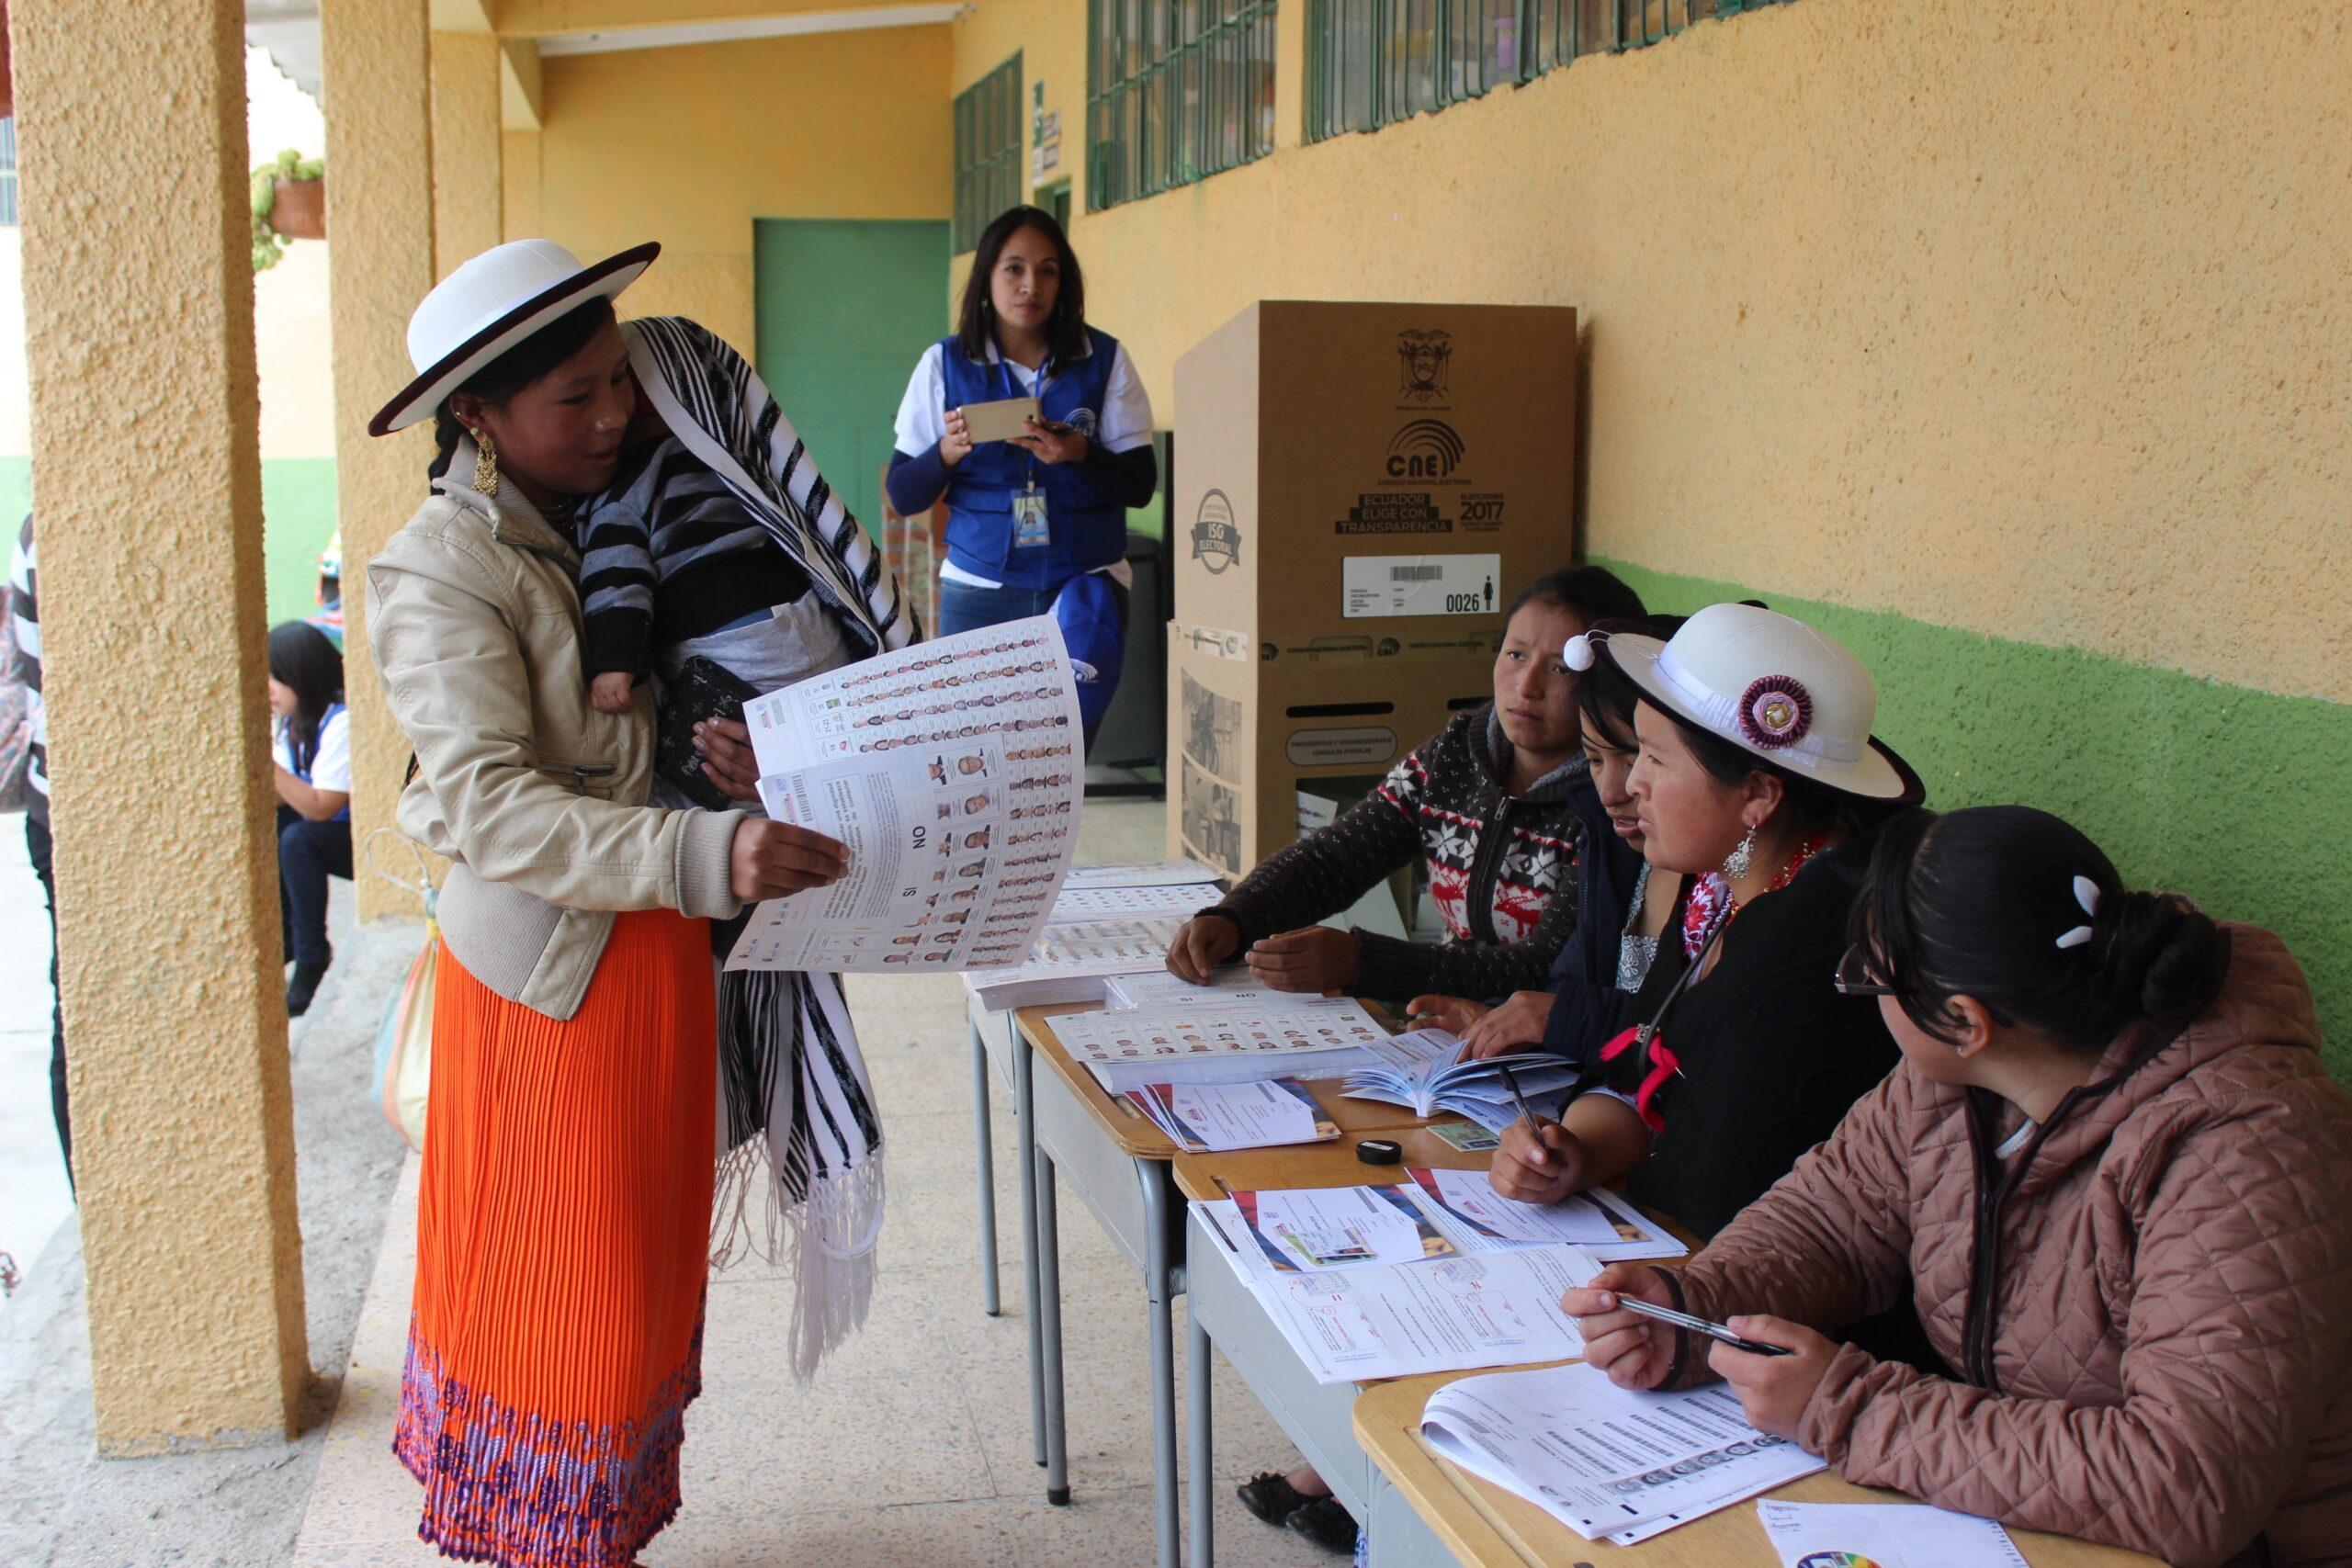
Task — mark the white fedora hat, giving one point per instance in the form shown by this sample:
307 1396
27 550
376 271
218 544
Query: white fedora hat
488 306
1770 685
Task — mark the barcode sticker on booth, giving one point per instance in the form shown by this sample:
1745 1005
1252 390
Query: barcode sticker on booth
1420 585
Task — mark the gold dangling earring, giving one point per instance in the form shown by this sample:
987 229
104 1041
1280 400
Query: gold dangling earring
485 464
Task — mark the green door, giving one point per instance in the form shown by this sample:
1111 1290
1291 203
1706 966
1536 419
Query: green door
845 308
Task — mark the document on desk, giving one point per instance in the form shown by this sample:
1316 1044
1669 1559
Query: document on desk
1886 1535
1208 1043
1138 873
1302 1230
1069 962
1393 1320
1181 900
951 771
1203 1118
1604 1461
1480 1219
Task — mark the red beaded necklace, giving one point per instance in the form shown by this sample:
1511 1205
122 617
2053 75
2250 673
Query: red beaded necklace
1712 903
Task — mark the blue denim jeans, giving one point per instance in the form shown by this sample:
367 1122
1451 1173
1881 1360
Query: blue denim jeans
964 608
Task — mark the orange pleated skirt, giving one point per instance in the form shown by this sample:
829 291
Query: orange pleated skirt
562 1233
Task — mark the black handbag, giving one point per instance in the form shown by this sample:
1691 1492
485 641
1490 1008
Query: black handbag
702 691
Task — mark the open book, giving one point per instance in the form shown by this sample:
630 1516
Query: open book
1423 1070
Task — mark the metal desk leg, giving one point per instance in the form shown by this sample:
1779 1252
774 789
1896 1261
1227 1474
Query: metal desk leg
1159 1293
1050 1323
1025 1115
990 1301
1197 1414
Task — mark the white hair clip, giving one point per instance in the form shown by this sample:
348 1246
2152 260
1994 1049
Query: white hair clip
1577 655
2086 895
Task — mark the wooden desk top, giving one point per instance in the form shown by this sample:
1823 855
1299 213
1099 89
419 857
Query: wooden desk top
1486 1527
1330 1164
1139 1138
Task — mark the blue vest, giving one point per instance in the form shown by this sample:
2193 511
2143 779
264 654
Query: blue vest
301 768
1087 530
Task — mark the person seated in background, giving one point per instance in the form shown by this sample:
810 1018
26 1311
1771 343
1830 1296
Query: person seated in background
1759 777
1622 909
1484 802
2115 1179
311 743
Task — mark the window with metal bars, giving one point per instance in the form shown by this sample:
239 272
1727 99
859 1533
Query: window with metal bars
1372 62
8 173
989 168
1176 90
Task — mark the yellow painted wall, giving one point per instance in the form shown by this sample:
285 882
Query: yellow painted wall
688 146
2014 318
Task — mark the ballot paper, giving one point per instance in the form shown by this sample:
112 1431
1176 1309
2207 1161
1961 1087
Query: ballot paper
1606 1461
1181 899
1883 1535
1139 873
1295 1038
1234 988
1304 1229
953 771
1200 1117
1438 1314
1069 962
1479 1219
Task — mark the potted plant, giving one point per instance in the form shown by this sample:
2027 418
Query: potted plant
289 199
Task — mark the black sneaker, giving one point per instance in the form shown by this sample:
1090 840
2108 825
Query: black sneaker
1271 1496
1327 1522
302 987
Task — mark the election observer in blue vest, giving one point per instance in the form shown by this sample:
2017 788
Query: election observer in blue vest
1029 516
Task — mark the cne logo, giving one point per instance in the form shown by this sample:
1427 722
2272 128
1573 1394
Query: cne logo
1422 359
1424 450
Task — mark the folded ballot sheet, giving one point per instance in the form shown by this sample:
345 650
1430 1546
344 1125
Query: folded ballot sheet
1606 1462
1443 1313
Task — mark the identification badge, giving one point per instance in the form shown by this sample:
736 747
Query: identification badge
1029 519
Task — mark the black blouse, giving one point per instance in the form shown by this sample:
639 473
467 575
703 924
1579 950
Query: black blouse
1771 1056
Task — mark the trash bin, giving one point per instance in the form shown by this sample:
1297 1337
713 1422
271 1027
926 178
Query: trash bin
1135 729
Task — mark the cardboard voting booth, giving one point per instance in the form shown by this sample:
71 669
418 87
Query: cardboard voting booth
1363 489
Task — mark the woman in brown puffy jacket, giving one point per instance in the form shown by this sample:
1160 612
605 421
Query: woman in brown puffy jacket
2115 1179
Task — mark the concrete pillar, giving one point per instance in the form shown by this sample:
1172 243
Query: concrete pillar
379 260
466 194
131 121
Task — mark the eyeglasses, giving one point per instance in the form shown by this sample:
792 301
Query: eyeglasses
1853 976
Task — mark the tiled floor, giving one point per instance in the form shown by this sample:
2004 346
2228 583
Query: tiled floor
913 1446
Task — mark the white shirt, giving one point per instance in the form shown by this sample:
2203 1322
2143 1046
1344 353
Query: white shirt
1122 424
331 769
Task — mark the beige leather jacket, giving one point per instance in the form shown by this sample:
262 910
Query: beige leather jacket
474 621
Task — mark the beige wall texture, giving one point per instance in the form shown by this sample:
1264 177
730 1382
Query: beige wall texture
689 146
144 393
467 186
381 212
2022 319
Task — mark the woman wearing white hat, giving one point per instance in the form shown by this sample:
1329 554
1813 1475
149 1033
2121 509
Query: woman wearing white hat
565 1215
1758 774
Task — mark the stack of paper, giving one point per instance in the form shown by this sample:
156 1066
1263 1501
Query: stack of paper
1290 1037
1199 1118
1069 962
1387 1320
1606 1461
1437 1213
1888 1535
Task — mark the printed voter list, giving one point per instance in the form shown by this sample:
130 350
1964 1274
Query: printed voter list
954 772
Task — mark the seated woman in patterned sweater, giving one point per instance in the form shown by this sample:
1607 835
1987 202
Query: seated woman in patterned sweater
1485 801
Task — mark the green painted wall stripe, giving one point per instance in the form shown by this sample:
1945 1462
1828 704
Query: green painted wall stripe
298 515
2236 797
